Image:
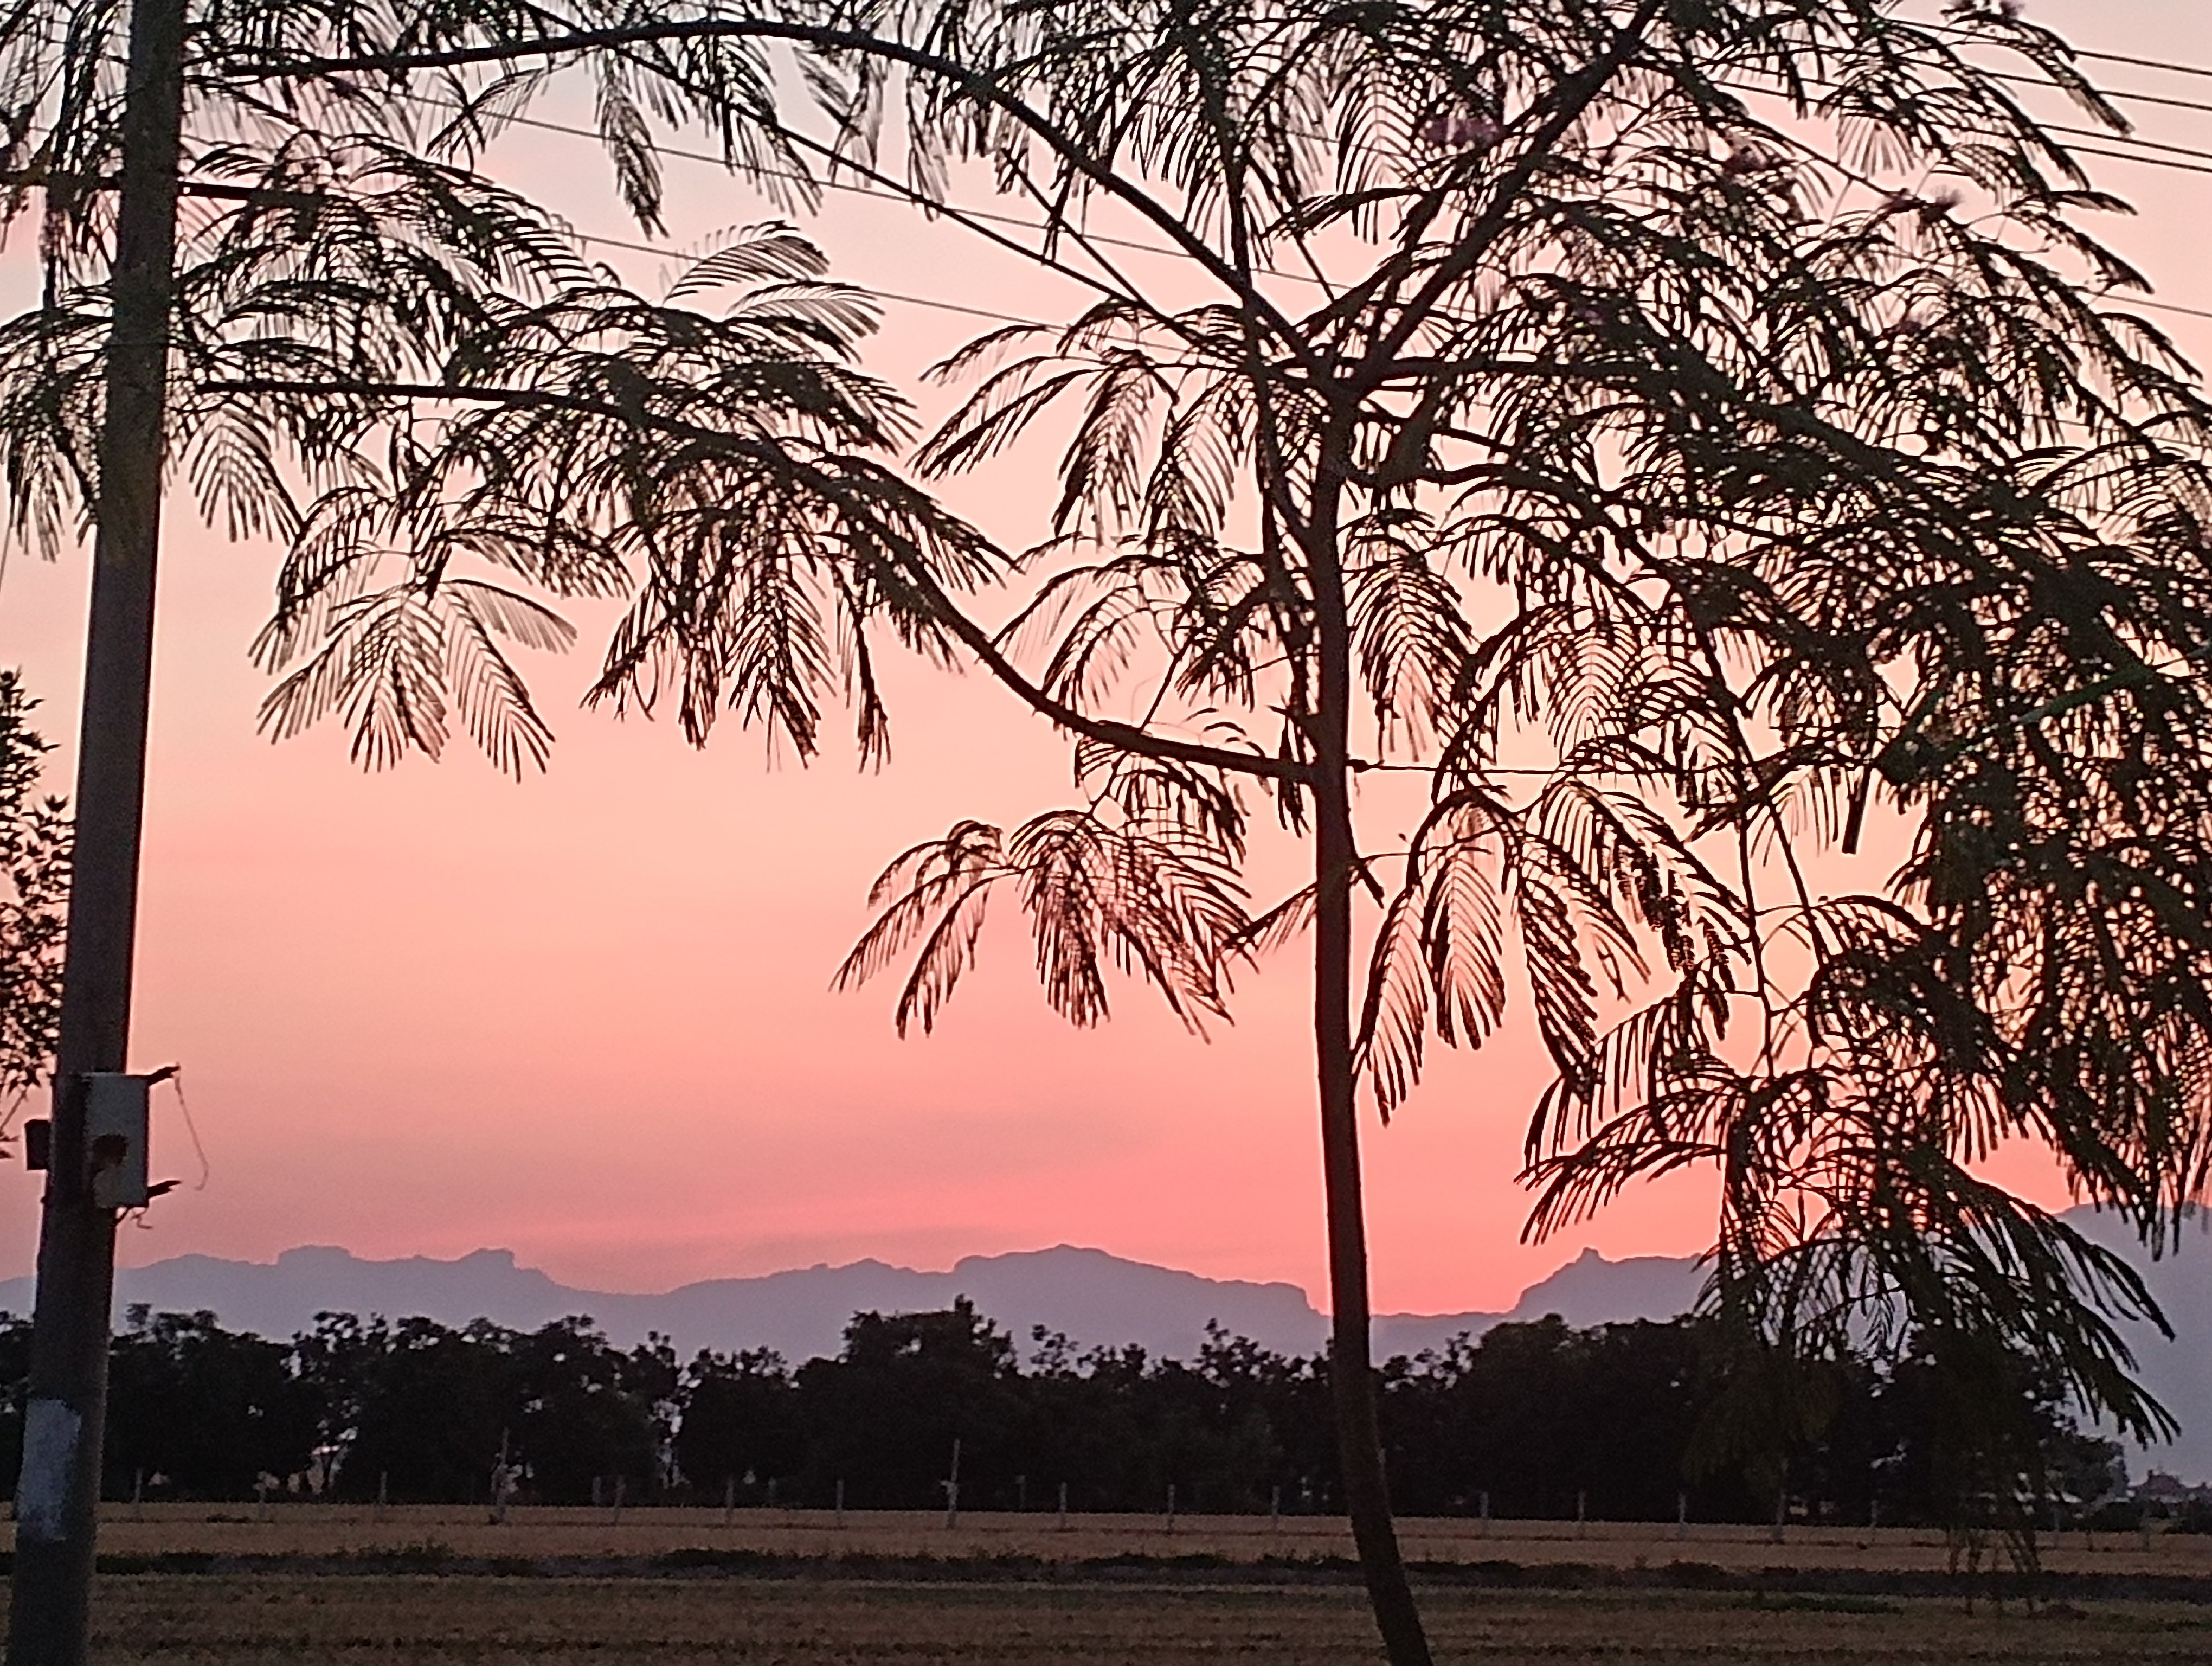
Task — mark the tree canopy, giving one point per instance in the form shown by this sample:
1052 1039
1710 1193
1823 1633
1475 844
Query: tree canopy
390 364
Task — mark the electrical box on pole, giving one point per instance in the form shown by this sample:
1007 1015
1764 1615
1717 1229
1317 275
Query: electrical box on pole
115 1128
118 1126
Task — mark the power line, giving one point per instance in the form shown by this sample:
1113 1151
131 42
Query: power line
2202 164
2197 161
2147 64
1971 38
2168 307
675 153
2197 151
1019 222
990 217
2119 97
2175 158
2144 162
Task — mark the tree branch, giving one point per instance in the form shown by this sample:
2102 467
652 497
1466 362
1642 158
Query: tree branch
912 568
1469 248
980 86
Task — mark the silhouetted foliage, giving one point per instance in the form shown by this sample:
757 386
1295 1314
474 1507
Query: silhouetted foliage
418 1410
740 1426
1539 1418
1537 1415
1982 1448
415 1409
884 1414
376 346
34 851
15 1379
212 1412
591 1411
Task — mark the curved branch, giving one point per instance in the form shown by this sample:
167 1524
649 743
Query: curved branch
912 568
975 85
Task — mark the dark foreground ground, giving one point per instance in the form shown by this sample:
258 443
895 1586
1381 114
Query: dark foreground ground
398 1618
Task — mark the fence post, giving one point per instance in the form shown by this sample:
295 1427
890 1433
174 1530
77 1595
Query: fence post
1581 1515
1275 1508
1063 1506
953 1489
1681 1515
1485 1515
1170 1506
840 1501
499 1481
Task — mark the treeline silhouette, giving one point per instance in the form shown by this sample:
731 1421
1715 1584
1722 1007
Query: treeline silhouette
1621 1422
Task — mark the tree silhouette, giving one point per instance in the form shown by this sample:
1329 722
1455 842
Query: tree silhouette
1676 465
1530 1420
35 846
739 1425
884 1415
590 1411
342 263
249 284
207 1412
1694 444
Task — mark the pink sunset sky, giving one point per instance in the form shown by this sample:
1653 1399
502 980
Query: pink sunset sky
587 1016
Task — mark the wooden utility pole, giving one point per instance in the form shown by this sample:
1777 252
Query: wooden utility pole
59 1495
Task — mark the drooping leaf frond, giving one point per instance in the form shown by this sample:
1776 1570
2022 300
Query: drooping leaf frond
1102 895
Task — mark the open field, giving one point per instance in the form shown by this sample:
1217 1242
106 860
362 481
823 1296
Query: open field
398 1620
320 1532
423 1586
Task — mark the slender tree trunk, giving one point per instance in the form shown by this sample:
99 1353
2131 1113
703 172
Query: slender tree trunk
57 1496
1350 1371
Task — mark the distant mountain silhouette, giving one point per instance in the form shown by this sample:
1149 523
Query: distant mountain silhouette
1091 1297
1587 1290
2179 1370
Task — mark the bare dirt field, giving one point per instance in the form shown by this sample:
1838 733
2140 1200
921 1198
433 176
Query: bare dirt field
309 1531
400 1620
240 1586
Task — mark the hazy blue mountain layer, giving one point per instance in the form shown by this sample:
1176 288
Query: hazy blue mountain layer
1090 1296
